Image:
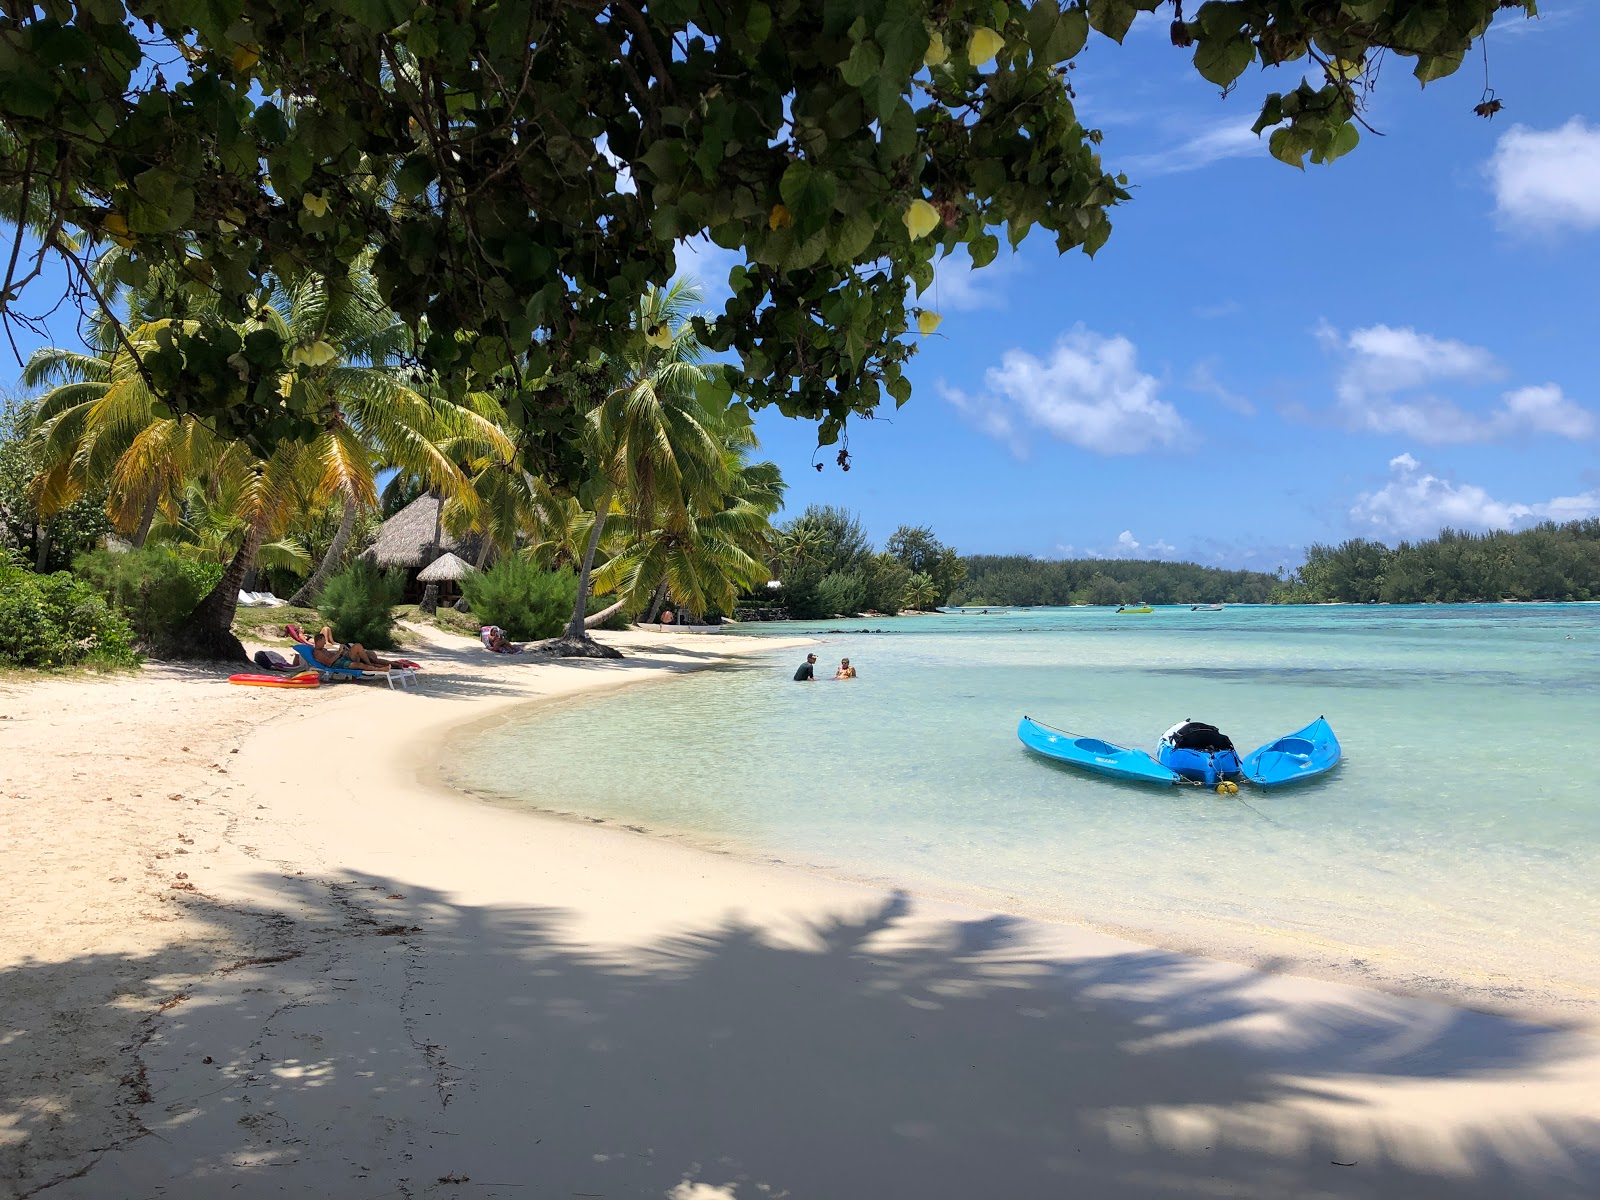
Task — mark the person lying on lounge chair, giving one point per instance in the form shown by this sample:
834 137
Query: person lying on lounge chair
355 656
494 639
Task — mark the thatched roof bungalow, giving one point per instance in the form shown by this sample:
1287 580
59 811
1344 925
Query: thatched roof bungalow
447 568
415 537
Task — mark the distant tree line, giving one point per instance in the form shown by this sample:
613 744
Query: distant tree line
1547 562
1022 579
826 566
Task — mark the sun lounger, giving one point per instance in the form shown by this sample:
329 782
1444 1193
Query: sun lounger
405 675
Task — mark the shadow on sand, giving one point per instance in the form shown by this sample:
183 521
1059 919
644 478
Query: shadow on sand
389 1042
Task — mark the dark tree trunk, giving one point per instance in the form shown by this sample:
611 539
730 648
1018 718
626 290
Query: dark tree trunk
485 549
576 642
657 601
208 633
41 547
147 518
312 588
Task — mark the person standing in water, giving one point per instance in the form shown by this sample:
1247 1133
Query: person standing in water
808 670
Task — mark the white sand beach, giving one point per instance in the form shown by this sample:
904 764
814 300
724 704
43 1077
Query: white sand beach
251 950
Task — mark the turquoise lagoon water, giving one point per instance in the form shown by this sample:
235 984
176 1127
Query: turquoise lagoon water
1457 848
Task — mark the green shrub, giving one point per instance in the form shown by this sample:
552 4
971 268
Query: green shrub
842 592
58 621
358 603
156 588
522 599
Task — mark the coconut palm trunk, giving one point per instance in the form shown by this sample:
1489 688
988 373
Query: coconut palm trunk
208 633
658 600
576 642
604 615
312 588
147 518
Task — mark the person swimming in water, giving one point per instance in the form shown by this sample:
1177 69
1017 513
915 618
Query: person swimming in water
845 671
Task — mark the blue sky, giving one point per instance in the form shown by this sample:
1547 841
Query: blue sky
1261 358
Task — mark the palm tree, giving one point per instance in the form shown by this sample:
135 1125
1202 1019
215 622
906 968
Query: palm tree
649 438
921 592
372 415
99 426
702 556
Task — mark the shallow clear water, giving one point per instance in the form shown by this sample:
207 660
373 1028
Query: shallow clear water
1458 845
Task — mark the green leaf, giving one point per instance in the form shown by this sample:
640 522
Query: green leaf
1069 36
1223 60
897 131
809 194
666 160
1271 114
904 39
758 23
415 176
983 248
864 63
1437 66
1421 24
850 237
1112 17
1344 139
1288 145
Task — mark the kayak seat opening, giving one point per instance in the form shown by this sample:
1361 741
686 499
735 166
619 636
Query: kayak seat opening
1294 746
1095 746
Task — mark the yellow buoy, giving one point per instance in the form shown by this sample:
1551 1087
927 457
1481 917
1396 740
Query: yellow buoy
1225 788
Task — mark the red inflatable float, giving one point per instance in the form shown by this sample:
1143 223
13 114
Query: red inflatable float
302 679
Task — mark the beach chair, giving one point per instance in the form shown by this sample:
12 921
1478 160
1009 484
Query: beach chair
406 676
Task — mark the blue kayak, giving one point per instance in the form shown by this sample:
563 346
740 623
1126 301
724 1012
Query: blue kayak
1092 754
1303 755
1199 752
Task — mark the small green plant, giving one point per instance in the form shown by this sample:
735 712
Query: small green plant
522 599
58 621
156 588
358 603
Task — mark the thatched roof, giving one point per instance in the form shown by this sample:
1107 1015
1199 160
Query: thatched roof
407 538
446 567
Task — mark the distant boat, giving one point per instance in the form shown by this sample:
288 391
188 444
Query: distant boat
1306 754
1143 608
1199 752
1205 608
1092 754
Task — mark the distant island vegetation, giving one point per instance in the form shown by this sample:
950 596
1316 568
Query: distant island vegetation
828 566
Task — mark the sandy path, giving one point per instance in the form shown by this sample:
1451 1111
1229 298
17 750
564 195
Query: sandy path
458 1000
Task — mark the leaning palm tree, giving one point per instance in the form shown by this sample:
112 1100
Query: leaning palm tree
99 426
651 442
372 415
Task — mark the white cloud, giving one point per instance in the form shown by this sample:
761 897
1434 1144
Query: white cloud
1126 546
1129 546
1548 179
1385 373
1519 24
1546 409
1089 393
1417 504
1226 139
1202 378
